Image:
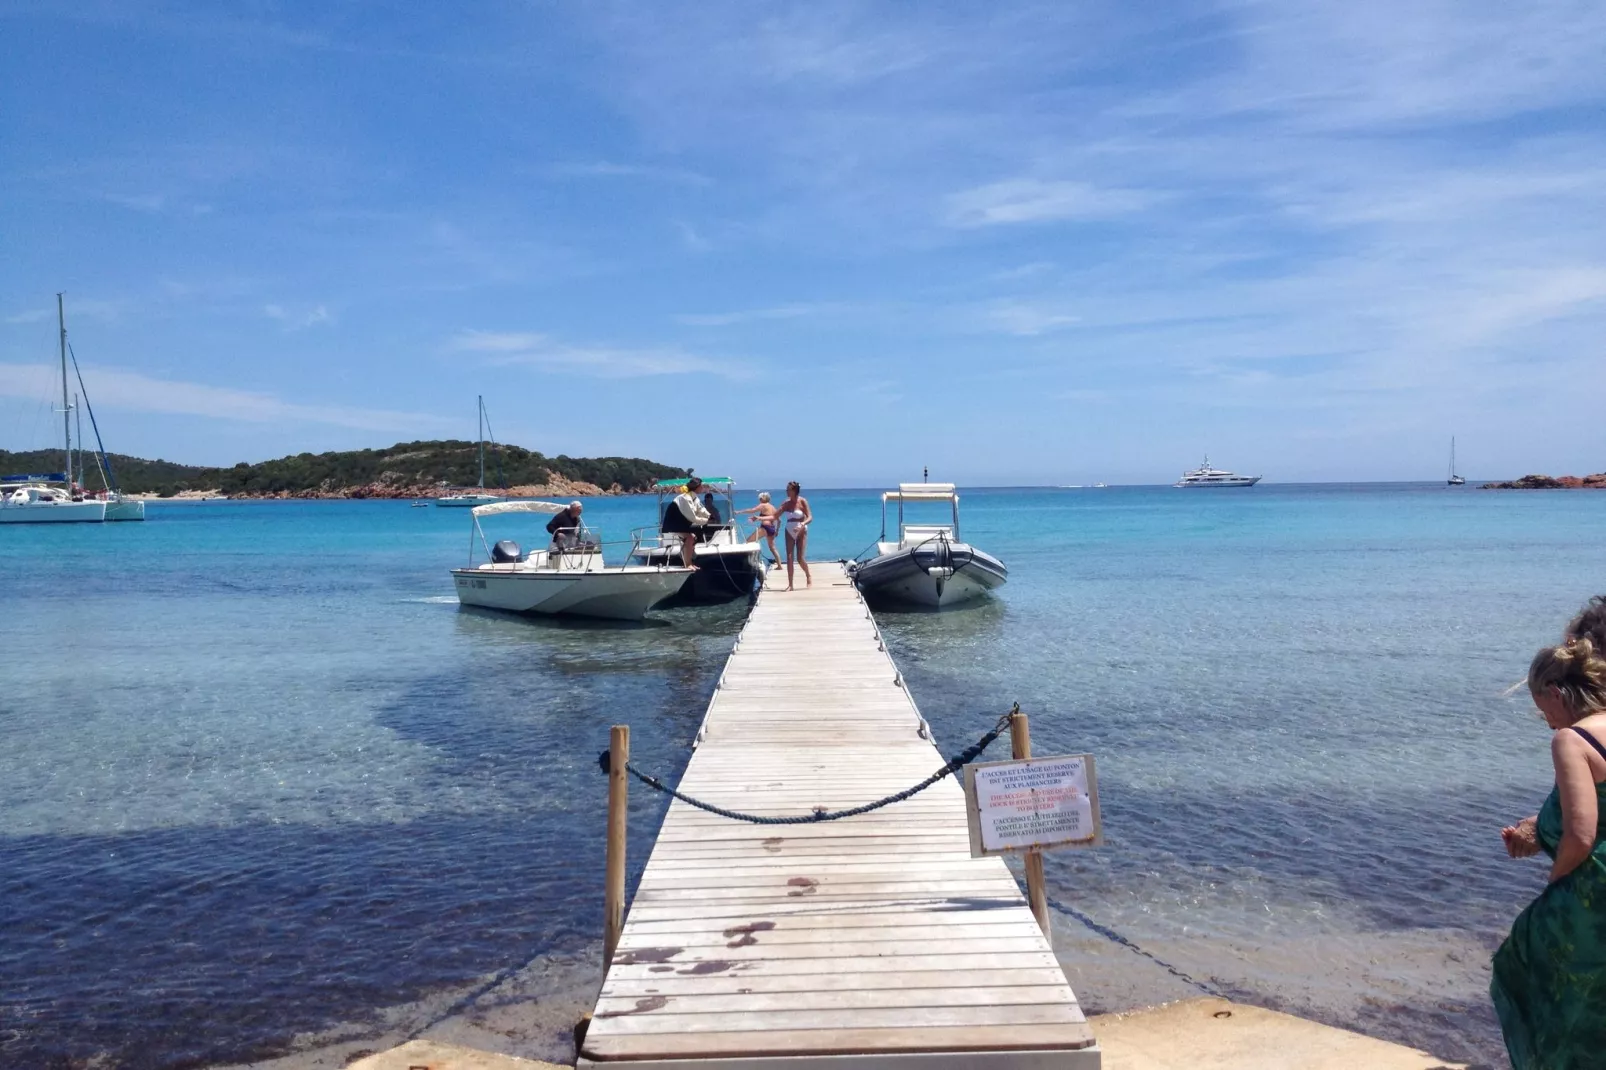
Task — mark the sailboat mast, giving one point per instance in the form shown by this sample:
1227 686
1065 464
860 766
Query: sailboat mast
66 410
481 399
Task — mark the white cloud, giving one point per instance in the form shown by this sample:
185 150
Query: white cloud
605 362
296 321
1026 319
752 315
609 169
1031 200
132 391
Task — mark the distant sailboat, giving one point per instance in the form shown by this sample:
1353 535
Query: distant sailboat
1455 480
462 499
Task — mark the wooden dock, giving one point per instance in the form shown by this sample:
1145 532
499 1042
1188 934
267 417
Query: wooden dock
871 943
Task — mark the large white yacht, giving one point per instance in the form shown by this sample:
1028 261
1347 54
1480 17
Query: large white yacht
568 576
1205 476
927 565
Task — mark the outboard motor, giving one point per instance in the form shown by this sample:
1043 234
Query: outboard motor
506 552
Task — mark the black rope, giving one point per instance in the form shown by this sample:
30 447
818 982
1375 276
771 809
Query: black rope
957 762
1116 938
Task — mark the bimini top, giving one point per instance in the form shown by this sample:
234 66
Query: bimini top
921 492
708 481
518 507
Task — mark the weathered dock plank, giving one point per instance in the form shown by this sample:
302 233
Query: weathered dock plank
867 943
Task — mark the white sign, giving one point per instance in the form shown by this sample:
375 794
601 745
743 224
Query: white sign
1032 803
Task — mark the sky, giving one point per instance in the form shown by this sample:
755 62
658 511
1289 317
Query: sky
839 242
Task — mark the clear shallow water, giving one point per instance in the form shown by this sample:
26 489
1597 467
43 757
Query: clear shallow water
265 778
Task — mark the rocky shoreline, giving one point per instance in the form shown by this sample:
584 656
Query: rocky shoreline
1594 482
557 487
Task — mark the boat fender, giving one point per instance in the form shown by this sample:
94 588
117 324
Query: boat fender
940 573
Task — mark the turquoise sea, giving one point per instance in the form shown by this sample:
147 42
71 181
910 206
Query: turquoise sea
270 794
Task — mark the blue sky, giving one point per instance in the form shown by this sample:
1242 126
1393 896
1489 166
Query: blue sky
1046 243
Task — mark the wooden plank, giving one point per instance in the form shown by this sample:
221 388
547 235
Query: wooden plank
603 1045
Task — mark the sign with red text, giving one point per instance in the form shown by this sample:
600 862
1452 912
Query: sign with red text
1032 804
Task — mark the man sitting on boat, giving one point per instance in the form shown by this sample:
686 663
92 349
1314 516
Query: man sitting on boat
564 527
688 518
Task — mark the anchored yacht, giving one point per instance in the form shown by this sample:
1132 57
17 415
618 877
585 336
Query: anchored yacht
1205 476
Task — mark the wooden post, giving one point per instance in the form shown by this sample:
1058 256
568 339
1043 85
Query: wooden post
1020 736
618 804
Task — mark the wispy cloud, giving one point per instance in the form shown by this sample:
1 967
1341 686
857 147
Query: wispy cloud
135 392
1026 319
1031 200
751 315
609 169
297 321
606 362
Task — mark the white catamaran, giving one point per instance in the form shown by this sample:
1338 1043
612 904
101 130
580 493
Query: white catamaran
466 499
32 498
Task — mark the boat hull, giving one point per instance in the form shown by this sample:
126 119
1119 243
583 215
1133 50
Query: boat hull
125 509
53 513
725 572
467 502
1219 484
934 575
613 594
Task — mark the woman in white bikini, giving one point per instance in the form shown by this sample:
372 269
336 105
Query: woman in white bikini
796 518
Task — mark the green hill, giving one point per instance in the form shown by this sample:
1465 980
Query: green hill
407 469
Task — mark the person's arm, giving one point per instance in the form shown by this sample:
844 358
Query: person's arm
739 512
688 507
552 525
1579 806
808 514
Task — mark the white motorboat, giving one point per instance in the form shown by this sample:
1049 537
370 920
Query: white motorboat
728 565
928 565
1205 476
567 577
465 499
34 499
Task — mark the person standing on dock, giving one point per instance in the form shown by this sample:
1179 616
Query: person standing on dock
1549 985
796 516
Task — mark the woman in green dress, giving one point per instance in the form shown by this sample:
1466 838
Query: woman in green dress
1549 984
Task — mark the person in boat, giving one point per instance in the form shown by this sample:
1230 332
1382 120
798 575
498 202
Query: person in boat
796 516
687 518
764 516
1550 974
714 519
564 527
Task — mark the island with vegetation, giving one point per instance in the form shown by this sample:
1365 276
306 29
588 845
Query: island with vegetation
405 470
1596 482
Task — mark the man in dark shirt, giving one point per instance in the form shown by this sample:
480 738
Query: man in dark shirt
564 526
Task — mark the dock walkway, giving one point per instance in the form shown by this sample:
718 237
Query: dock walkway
871 943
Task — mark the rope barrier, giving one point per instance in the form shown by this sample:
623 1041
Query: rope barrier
957 762
1116 938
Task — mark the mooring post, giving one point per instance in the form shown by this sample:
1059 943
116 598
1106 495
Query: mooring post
1020 737
618 805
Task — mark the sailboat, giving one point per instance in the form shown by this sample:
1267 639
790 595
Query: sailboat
33 498
1454 480
463 499
118 505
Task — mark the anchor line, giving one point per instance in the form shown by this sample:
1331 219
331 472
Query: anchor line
1126 942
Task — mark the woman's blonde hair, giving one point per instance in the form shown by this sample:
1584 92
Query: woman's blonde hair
763 495
1576 670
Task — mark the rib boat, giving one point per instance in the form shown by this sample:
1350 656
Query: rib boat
566 577
929 565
